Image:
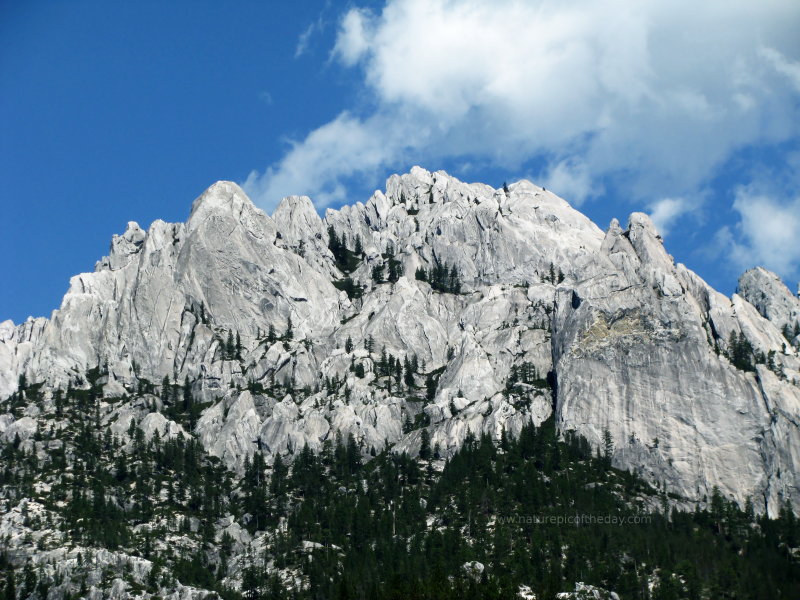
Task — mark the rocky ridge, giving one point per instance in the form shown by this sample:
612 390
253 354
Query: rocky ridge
551 315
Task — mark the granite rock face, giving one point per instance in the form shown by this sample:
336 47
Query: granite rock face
773 300
551 316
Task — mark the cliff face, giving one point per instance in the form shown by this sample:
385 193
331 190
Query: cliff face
696 389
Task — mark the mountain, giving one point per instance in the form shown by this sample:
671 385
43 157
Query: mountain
436 311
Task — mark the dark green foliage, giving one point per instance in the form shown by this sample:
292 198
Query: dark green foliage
289 335
10 588
525 373
409 368
431 383
231 349
741 353
101 491
408 426
377 273
350 287
552 276
394 266
391 367
396 527
497 508
443 278
608 448
179 403
346 260
425 445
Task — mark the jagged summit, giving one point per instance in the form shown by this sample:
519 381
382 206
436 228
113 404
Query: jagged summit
220 196
511 306
765 290
225 204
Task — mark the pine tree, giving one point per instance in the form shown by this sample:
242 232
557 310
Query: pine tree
394 265
289 335
741 352
453 283
333 241
430 387
279 471
165 389
348 345
238 346
398 370
10 592
187 395
408 426
230 348
425 445
608 448
377 273
409 372
383 362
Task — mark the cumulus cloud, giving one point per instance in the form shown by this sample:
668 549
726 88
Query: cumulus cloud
319 165
667 211
352 43
656 94
571 179
789 68
768 230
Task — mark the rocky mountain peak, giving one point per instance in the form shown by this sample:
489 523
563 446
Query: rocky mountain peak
123 247
296 218
766 291
222 200
640 223
512 304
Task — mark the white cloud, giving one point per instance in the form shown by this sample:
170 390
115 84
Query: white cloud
791 69
352 43
570 179
657 94
304 38
318 165
667 211
769 231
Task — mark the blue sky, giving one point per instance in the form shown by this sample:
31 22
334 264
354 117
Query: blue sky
112 112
